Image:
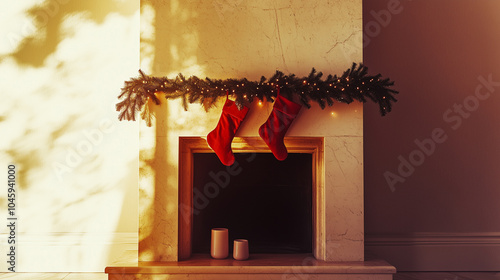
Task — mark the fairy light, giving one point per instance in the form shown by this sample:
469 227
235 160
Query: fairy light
333 87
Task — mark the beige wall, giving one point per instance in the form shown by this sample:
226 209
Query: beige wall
239 39
437 52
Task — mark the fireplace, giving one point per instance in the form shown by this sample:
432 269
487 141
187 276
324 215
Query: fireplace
207 188
333 144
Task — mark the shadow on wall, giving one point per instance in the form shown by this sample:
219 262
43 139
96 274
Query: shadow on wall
48 17
63 65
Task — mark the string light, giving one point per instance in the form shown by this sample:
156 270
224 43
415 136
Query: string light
343 86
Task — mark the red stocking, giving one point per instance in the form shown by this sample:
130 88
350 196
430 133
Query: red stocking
274 129
221 137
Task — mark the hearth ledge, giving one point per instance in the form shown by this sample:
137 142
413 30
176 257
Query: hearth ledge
275 266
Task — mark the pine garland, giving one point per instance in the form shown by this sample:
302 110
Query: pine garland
354 84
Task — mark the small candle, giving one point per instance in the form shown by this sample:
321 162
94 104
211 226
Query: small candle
240 249
219 248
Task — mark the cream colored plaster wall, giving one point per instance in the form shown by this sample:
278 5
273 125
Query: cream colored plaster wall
223 39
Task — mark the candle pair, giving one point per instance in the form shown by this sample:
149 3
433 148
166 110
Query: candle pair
219 248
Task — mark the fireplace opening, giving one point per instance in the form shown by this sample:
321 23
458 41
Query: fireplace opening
266 201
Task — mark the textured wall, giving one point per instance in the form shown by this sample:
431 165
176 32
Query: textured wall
225 39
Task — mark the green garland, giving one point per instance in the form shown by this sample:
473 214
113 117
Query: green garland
354 84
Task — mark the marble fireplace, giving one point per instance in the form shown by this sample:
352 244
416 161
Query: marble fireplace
226 39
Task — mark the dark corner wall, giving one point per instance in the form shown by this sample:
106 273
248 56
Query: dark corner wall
432 182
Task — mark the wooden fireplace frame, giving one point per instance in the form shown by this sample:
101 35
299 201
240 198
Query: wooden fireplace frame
307 145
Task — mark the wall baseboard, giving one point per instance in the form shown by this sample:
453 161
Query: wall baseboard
68 252
422 251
